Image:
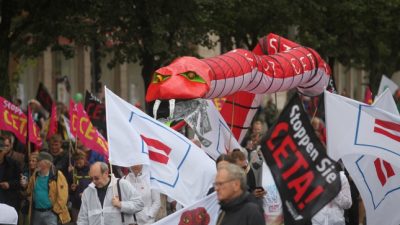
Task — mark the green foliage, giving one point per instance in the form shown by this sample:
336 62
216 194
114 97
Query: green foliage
153 33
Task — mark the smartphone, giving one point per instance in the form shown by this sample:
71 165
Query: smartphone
260 188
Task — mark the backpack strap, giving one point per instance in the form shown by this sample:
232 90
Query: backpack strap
120 199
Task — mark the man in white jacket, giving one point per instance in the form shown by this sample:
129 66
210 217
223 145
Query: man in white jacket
101 204
151 198
333 212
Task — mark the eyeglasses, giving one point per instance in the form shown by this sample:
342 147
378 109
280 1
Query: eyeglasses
95 178
219 184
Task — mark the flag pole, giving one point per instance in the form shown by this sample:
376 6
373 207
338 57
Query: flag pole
108 138
233 116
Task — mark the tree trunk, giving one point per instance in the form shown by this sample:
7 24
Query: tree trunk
5 46
148 69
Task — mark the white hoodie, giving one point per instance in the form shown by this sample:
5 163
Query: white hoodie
333 212
151 198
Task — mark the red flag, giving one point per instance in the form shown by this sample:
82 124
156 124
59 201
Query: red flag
53 123
368 96
82 128
15 121
33 130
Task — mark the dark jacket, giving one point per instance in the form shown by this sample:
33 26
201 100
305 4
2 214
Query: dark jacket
10 173
82 179
241 211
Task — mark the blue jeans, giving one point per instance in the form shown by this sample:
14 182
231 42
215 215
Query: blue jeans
44 218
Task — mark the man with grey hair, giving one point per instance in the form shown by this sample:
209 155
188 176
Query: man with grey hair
237 205
107 200
48 189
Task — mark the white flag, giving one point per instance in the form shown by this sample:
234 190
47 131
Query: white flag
124 143
387 83
356 128
178 168
377 180
204 212
214 134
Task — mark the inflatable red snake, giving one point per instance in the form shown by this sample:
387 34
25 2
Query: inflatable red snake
284 65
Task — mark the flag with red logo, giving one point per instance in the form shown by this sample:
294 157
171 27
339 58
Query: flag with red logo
377 180
178 168
357 128
203 212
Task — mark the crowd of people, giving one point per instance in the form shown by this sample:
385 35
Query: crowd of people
68 183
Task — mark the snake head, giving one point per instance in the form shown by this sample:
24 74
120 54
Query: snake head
184 78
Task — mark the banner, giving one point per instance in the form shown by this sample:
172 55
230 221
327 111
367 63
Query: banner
387 83
49 105
15 121
82 128
210 128
43 96
203 212
134 137
377 180
357 128
96 111
33 130
307 179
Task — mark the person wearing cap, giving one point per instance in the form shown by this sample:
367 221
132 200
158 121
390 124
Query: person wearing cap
48 192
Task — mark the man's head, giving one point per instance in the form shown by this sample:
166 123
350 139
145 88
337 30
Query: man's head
5 143
223 159
80 159
5 146
230 182
99 173
257 127
137 169
44 162
55 144
239 159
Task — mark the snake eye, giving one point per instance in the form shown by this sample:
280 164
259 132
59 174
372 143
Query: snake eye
192 76
158 78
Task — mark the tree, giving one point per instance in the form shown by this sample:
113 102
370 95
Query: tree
27 28
149 32
356 33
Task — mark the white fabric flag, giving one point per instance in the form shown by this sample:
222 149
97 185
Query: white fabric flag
214 134
124 143
204 211
377 181
356 128
178 168
387 83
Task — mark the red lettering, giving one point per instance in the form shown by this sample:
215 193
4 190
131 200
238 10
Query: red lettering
300 163
98 112
279 127
301 184
281 150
